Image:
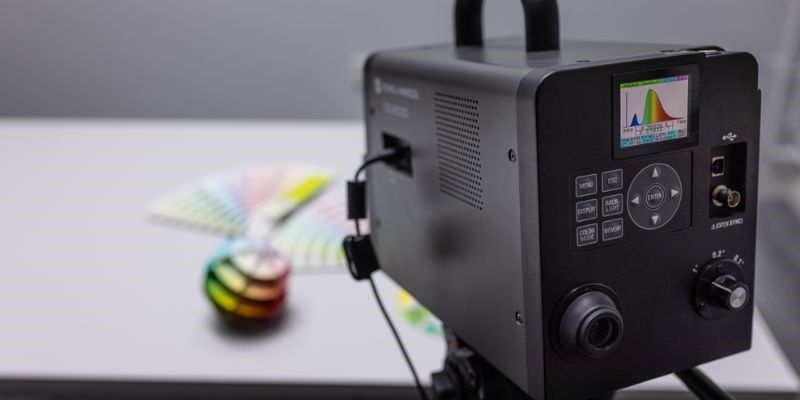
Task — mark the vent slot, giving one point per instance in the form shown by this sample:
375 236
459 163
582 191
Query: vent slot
458 145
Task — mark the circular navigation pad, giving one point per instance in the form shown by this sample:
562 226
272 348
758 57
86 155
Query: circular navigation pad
654 196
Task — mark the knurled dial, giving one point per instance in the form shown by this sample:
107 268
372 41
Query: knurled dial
654 196
721 289
729 293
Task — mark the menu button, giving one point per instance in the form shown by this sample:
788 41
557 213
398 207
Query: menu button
586 185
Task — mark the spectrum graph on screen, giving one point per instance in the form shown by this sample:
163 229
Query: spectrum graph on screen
654 110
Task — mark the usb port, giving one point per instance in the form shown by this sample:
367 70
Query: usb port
718 166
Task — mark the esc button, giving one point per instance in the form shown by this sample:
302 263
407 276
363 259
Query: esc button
612 180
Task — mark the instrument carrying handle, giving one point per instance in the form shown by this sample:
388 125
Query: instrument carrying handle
541 24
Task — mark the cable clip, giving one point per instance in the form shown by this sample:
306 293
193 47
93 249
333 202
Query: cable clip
361 258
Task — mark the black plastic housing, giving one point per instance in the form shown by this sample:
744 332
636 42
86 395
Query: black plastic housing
485 228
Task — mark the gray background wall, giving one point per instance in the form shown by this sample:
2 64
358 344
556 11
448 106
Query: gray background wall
287 58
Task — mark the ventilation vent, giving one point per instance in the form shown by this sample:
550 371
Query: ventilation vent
458 146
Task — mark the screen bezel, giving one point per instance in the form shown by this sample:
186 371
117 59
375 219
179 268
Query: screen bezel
693 113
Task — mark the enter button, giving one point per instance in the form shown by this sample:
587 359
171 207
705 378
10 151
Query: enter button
654 197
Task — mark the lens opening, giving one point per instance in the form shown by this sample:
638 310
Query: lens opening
602 333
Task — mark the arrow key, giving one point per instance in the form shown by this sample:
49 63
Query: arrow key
656 173
655 219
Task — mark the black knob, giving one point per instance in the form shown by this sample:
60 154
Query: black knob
729 293
721 289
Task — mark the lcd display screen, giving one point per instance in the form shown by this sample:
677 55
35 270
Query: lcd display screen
654 110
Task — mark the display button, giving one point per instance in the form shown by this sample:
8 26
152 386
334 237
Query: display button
612 205
587 235
586 210
612 180
586 185
612 229
654 197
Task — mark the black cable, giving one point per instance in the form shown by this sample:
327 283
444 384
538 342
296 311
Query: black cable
399 341
358 229
702 386
386 155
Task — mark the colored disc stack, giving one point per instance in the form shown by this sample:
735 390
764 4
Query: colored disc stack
247 282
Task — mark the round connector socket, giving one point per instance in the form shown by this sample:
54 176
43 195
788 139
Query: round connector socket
724 196
734 198
591 326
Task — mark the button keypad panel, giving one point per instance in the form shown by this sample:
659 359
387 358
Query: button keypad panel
590 209
654 196
630 201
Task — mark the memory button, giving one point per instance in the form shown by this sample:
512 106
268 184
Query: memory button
612 229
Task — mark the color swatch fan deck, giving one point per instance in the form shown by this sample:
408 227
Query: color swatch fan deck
287 207
227 203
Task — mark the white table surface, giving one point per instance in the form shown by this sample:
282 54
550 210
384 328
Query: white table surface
92 290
